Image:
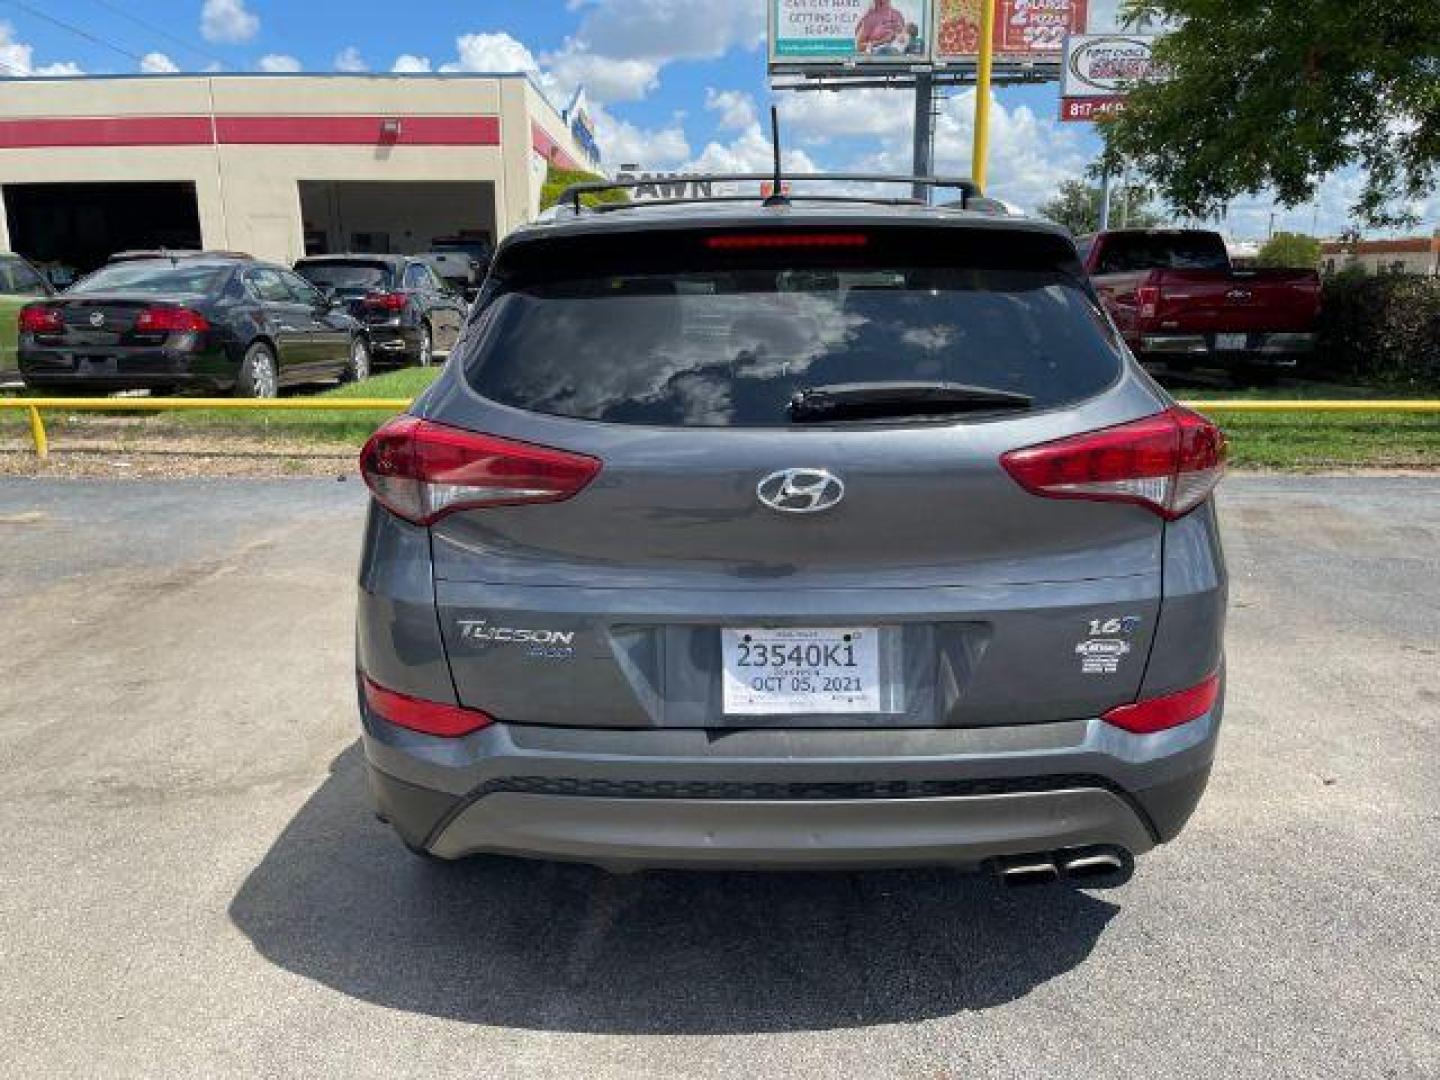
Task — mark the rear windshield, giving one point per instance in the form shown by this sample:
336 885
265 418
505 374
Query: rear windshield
730 345
1136 252
346 277
154 276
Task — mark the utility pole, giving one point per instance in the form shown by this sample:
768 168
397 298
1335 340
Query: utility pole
1104 195
924 161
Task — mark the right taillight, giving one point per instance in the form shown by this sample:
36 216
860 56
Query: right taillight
385 301
422 470
1163 713
1168 463
41 319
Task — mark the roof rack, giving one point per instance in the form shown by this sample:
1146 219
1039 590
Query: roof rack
572 195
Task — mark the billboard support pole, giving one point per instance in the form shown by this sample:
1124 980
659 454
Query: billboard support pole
981 150
924 162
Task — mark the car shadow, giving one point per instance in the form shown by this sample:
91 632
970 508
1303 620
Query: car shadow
557 947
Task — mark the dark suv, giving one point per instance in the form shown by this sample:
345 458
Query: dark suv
817 534
410 315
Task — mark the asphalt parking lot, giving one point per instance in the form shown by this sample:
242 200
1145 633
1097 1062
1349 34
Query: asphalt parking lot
190 883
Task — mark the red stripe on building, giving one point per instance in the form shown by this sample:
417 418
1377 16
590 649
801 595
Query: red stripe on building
545 145
105 131
359 130
84 131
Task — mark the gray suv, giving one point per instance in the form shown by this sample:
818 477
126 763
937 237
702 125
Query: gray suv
813 534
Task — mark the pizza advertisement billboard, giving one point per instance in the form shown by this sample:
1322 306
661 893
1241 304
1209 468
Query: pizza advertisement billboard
1026 31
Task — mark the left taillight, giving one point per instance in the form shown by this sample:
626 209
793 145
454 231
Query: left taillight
41 319
1148 298
1168 463
421 470
170 320
418 714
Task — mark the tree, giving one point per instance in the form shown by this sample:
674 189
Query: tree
1077 207
1278 94
1291 250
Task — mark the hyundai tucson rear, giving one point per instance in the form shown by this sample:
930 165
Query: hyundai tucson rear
789 537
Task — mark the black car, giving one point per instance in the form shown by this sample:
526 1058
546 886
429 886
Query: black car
214 324
409 314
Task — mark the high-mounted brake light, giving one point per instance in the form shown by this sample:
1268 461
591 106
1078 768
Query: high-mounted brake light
41 319
385 301
1170 711
754 241
422 470
170 320
1168 463
417 714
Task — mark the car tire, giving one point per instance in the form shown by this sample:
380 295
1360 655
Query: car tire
357 368
259 377
427 346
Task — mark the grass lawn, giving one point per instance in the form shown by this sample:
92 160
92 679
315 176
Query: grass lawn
1278 440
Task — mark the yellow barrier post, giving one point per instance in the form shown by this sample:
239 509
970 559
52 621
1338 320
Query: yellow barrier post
980 151
37 432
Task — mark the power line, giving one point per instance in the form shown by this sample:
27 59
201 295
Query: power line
77 31
188 46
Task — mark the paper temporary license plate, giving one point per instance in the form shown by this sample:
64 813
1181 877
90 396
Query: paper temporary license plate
1231 342
776 670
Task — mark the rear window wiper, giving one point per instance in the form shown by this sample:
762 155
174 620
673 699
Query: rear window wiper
878 400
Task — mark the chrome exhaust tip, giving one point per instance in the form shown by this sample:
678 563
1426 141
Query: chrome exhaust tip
1101 867
1025 870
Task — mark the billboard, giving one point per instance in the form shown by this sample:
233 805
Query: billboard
1098 69
894 32
1032 31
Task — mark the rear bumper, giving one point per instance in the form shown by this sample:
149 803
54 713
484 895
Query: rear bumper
779 799
393 343
126 369
1280 349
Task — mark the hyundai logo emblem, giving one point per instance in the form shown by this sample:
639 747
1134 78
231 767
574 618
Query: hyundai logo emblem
97 318
801 491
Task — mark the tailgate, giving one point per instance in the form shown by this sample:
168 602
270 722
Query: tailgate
890 572
1281 301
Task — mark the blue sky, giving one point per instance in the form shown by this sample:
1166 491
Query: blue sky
673 83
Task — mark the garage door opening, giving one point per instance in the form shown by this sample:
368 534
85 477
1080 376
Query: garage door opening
377 218
71 229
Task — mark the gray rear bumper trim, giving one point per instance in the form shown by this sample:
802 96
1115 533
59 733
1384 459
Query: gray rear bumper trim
633 833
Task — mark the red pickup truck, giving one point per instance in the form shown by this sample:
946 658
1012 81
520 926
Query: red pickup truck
1177 299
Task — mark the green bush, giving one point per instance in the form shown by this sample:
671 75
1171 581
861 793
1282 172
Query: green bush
1382 330
557 180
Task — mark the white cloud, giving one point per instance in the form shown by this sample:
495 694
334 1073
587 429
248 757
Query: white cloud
750 152
621 46
736 108
605 78
491 52
410 64
349 59
625 143
17 58
157 63
228 21
279 62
